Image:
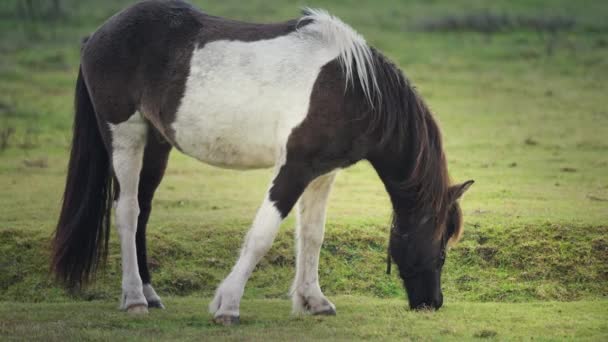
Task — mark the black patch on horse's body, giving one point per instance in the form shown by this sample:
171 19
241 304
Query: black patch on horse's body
331 136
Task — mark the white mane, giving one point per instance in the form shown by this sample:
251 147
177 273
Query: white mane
352 49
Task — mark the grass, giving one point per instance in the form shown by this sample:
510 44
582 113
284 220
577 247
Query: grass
529 126
359 318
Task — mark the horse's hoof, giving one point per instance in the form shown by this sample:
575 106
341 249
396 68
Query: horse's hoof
327 312
226 320
138 309
156 304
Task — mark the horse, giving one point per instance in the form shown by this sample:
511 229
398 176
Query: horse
307 97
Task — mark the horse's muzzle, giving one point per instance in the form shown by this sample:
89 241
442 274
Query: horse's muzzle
433 304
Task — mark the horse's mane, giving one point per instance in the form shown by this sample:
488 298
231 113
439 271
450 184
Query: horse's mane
354 55
404 123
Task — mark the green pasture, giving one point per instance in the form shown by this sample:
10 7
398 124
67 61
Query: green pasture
523 110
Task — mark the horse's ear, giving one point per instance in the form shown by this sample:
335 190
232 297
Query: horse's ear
456 191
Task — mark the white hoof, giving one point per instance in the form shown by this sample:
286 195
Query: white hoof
138 309
225 304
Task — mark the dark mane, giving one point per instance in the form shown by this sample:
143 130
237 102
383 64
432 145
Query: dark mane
404 124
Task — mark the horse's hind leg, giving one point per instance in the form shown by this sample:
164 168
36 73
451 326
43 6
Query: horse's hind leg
306 292
156 155
128 143
287 187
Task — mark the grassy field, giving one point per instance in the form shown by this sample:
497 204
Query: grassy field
523 112
268 319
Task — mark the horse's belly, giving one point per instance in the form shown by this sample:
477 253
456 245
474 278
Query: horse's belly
227 142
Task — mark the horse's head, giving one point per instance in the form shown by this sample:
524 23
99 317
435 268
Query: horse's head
418 247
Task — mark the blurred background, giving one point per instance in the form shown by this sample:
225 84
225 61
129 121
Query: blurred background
519 88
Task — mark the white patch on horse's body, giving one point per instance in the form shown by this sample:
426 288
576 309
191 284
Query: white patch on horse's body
128 143
243 99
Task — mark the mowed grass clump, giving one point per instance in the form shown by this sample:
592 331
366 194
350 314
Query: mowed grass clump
529 127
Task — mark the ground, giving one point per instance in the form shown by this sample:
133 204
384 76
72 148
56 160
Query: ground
523 112
268 319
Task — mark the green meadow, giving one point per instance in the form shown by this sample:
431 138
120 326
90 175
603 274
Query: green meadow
519 89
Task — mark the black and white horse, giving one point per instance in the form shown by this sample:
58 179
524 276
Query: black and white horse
307 97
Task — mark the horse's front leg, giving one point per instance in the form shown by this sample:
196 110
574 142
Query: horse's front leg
306 292
285 190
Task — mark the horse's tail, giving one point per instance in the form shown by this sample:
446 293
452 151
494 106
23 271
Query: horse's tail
81 237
